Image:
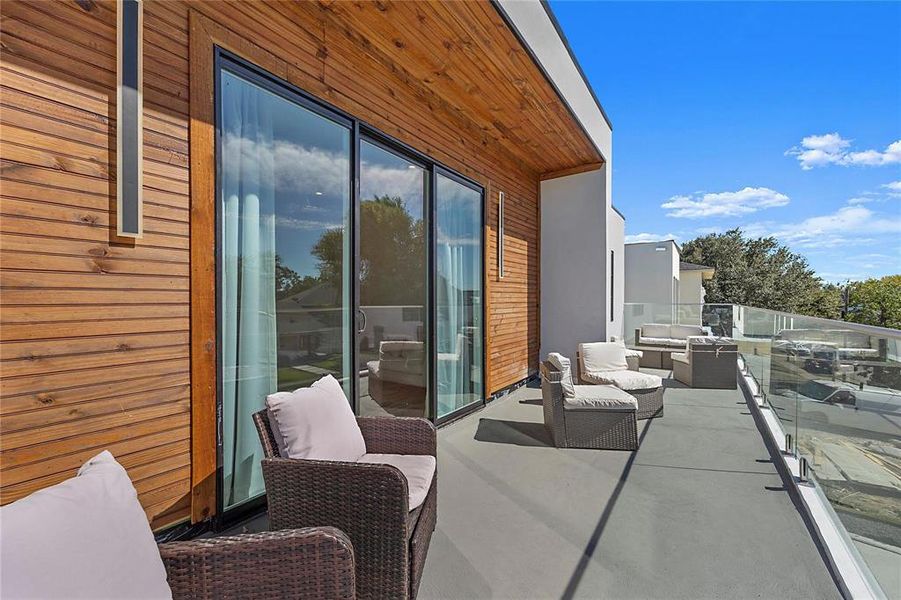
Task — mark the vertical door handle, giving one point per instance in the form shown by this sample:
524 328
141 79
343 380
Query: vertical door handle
362 320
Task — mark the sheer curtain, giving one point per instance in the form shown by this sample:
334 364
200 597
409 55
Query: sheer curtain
247 314
458 281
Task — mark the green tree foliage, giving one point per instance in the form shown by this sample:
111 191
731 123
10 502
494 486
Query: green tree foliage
876 302
762 273
392 250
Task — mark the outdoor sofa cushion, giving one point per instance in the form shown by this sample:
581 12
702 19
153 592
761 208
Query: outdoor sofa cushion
658 341
316 423
87 537
681 332
562 364
605 397
655 330
681 357
419 470
603 356
625 380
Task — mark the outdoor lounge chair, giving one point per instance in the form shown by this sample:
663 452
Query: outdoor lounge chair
88 537
605 363
368 501
601 417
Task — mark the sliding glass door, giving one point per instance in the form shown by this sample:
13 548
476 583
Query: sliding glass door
392 330
284 261
339 252
458 294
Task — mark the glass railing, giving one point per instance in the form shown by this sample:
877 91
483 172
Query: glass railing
836 388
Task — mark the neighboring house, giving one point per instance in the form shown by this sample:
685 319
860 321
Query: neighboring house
691 282
655 274
265 125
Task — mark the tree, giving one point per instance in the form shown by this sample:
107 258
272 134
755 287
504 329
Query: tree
762 273
392 254
876 302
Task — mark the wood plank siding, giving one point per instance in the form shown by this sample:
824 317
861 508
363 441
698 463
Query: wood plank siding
95 344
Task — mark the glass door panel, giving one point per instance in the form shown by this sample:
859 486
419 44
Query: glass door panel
392 328
284 261
458 295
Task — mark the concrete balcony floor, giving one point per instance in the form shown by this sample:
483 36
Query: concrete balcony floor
699 511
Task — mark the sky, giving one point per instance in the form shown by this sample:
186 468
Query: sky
783 119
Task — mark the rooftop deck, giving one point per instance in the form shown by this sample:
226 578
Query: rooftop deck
698 512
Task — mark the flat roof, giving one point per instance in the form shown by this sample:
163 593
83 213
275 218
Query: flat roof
536 27
687 266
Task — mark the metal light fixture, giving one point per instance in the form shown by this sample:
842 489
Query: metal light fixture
129 118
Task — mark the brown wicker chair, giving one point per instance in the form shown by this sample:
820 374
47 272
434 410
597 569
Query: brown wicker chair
369 502
584 428
311 563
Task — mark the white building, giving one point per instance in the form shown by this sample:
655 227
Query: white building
656 274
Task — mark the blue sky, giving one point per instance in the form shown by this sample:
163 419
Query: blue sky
775 117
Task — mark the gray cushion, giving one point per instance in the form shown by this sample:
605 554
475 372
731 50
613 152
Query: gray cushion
655 330
562 364
602 397
684 331
661 341
625 380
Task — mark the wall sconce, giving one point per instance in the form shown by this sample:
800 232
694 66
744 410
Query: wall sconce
129 118
500 235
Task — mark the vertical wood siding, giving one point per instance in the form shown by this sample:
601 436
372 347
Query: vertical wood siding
95 330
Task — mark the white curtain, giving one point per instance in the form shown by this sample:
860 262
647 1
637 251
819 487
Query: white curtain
458 281
247 285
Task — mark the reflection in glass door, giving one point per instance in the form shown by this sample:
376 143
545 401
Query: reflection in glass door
458 295
284 260
392 327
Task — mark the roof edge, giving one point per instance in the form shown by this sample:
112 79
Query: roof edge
600 140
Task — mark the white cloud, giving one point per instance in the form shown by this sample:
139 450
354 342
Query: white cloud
722 204
894 188
650 237
832 149
848 226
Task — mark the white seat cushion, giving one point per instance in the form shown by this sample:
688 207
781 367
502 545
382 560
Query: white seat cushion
87 537
562 364
625 380
317 423
681 357
418 469
603 356
660 341
600 397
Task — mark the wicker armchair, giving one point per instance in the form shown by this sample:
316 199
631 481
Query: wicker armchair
570 427
368 501
311 563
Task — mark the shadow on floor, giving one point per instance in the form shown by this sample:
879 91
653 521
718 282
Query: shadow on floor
518 433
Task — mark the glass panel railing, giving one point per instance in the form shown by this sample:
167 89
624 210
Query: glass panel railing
836 388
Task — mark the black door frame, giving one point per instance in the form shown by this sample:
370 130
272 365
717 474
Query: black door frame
359 131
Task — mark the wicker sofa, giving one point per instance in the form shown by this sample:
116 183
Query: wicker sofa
667 336
577 422
368 501
309 563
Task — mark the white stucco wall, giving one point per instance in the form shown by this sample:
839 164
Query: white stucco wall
574 259
691 288
650 272
616 233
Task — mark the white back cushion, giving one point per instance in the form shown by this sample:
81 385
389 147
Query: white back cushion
683 331
87 537
655 330
562 364
317 423
603 356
